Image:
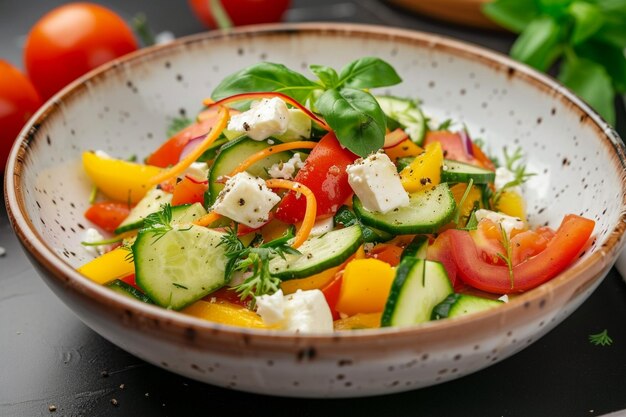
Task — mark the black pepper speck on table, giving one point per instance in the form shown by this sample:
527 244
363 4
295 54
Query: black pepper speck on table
52 364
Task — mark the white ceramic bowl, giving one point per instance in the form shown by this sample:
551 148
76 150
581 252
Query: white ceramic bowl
123 108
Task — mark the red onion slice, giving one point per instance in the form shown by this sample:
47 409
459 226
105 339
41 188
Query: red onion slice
394 138
467 142
190 146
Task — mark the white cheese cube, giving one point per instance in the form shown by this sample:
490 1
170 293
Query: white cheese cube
308 312
286 169
271 308
198 171
376 182
91 236
267 117
246 199
322 226
507 222
503 177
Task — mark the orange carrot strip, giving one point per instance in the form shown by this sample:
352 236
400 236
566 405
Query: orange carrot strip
249 96
182 165
311 207
246 163
207 219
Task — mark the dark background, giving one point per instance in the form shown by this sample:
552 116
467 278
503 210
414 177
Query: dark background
48 357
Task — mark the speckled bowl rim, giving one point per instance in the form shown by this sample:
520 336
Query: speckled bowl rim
584 273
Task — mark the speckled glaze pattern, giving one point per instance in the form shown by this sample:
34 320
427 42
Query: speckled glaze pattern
125 107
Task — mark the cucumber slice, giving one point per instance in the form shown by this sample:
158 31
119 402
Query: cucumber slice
455 171
404 162
299 127
461 304
128 290
427 211
318 254
419 286
407 113
150 203
179 267
187 213
232 154
346 217
417 248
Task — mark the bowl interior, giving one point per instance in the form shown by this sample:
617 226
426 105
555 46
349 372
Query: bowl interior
125 111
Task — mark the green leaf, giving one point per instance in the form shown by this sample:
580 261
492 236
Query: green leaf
538 45
327 75
356 118
592 83
588 19
368 72
514 15
613 32
612 6
610 57
554 8
266 76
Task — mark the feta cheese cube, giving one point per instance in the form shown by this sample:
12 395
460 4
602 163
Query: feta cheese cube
91 236
376 182
198 171
271 308
507 222
246 199
286 169
267 117
504 176
322 226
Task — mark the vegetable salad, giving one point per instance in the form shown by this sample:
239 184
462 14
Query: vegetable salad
315 205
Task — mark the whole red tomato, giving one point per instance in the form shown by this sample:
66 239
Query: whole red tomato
18 101
72 40
242 12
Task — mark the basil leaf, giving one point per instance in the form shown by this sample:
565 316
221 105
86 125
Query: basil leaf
592 83
554 8
514 15
356 118
368 72
612 6
610 57
613 32
538 45
327 75
266 76
588 19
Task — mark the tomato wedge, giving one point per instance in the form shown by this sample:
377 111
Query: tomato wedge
570 238
324 173
189 191
107 214
331 294
169 152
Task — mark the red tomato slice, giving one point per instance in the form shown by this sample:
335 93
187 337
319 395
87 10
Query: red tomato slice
169 152
570 238
439 251
189 191
527 244
108 214
452 146
488 240
331 293
130 280
324 172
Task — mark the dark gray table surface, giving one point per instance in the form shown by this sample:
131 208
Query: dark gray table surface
48 357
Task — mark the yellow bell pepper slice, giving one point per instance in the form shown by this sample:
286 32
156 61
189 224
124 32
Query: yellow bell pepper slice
405 148
118 179
225 313
108 267
365 286
425 170
360 321
512 203
310 283
474 195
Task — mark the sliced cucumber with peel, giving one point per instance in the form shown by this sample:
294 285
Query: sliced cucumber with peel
427 211
461 304
128 290
418 287
318 254
417 248
179 267
455 171
407 113
150 203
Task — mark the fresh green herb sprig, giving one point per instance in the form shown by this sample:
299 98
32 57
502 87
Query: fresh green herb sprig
340 97
255 260
589 36
513 162
508 254
601 339
159 223
459 207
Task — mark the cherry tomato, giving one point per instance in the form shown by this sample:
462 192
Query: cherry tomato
72 40
107 215
571 236
18 102
189 191
324 172
242 12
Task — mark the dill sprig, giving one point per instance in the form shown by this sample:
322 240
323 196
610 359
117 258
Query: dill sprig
459 207
255 260
513 163
506 257
103 242
601 339
159 223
